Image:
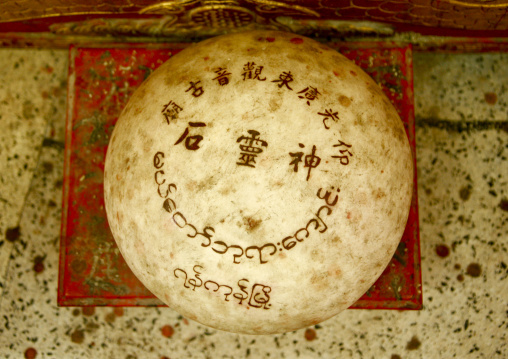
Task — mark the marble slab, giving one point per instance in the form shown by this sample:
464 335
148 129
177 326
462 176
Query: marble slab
32 90
461 87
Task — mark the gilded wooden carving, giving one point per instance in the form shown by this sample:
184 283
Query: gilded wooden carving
458 14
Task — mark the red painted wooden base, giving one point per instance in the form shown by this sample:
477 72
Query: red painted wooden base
101 80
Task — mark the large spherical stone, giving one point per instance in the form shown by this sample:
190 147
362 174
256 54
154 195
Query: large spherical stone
258 182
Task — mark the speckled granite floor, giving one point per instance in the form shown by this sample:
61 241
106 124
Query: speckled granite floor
461 104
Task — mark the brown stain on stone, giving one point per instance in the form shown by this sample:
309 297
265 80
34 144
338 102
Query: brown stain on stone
274 104
395 356
12 234
490 98
504 204
474 270
30 353
47 167
320 281
378 193
110 317
465 193
354 216
126 146
460 278
88 311
442 250
398 131
192 186
119 217
413 344
78 336
335 272
226 190
310 334
344 101
278 184
167 331
251 223
336 239
39 264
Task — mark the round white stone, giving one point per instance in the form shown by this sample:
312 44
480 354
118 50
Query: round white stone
258 182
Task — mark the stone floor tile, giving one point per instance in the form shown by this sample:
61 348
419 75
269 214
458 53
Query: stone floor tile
461 87
32 86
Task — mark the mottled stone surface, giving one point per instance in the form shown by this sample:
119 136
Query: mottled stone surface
32 91
463 216
223 227
461 87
